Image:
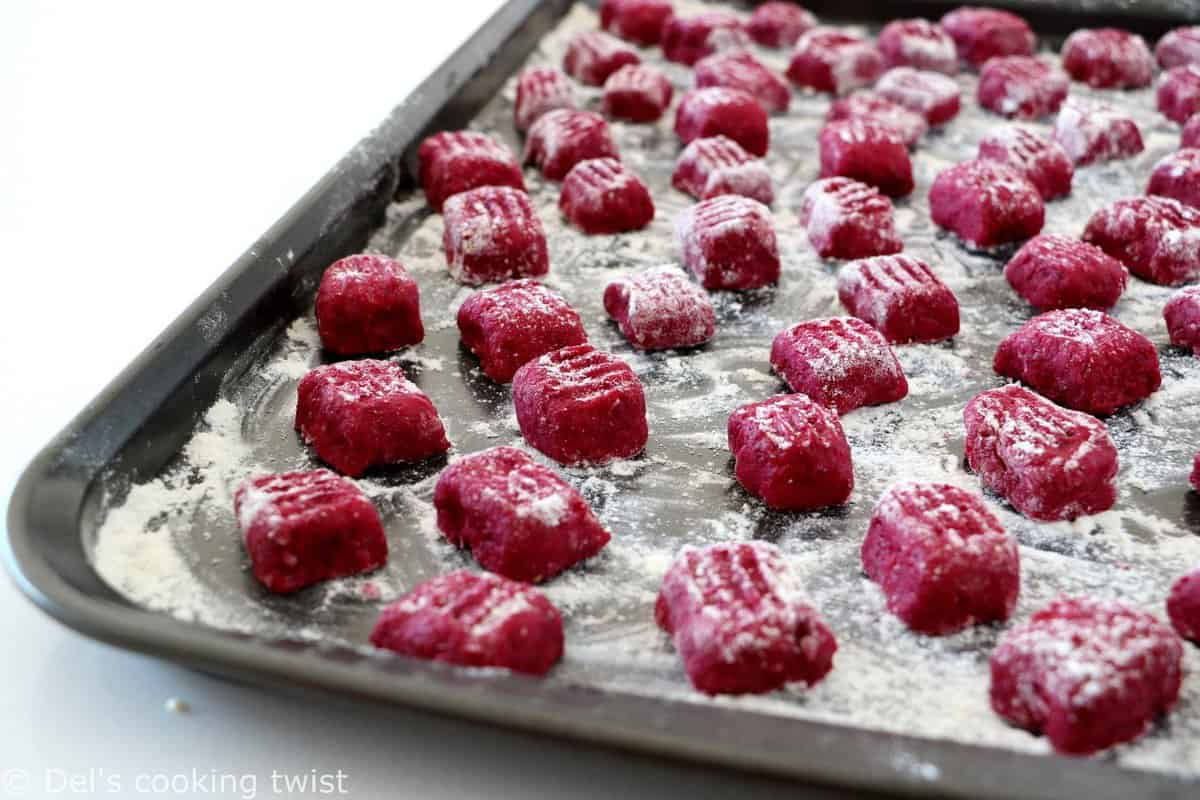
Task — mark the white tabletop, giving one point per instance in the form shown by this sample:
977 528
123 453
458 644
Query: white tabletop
143 148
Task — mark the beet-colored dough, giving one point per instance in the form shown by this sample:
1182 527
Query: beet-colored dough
594 55
637 93
1048 462
601 195
739 69
518 518
1157 238
791 452
1093 132
840 362
686 40
457 161
984 33
934 96
729 243
920 44
474 619
638 21
986 203
1043 161
1182 315
1179 93
361 414
493 234
848 219
1082 359
835 62
1051 272
777 24
515 323
720 111
368 303
1022 86
1108 58
541 89
942 559
874 107
1178 176
562 138
1087 673
740 621
901 297
718 165
301 528
579 405
867 151
660 308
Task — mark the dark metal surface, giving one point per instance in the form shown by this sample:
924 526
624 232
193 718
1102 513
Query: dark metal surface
144 417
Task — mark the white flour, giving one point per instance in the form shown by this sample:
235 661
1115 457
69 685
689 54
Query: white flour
172 544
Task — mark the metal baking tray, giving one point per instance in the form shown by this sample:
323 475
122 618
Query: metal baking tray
136 429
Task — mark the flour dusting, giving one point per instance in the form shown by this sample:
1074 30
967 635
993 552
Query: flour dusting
172 544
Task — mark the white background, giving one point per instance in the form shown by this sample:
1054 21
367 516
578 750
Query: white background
142 148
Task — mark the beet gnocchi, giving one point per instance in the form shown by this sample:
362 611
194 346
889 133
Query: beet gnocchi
941 557
729 243
514 323
939 554
1092 132
541 89
791 452
601 196
1021 86
562 138
362 414
637 93
874 107
901 297
1157 238
739 69
721 111
1048 462
638 21
579 405
474 620
1108 58
869 151
368 304
986 203
457 161
934 96
841 362
740 621
518 518
718 165
981 34
1043 161
660 309
593 56
300 528
848 219
835 62
1087 673
1052 272
1082 359
919 44
493 234
779 24
689 39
